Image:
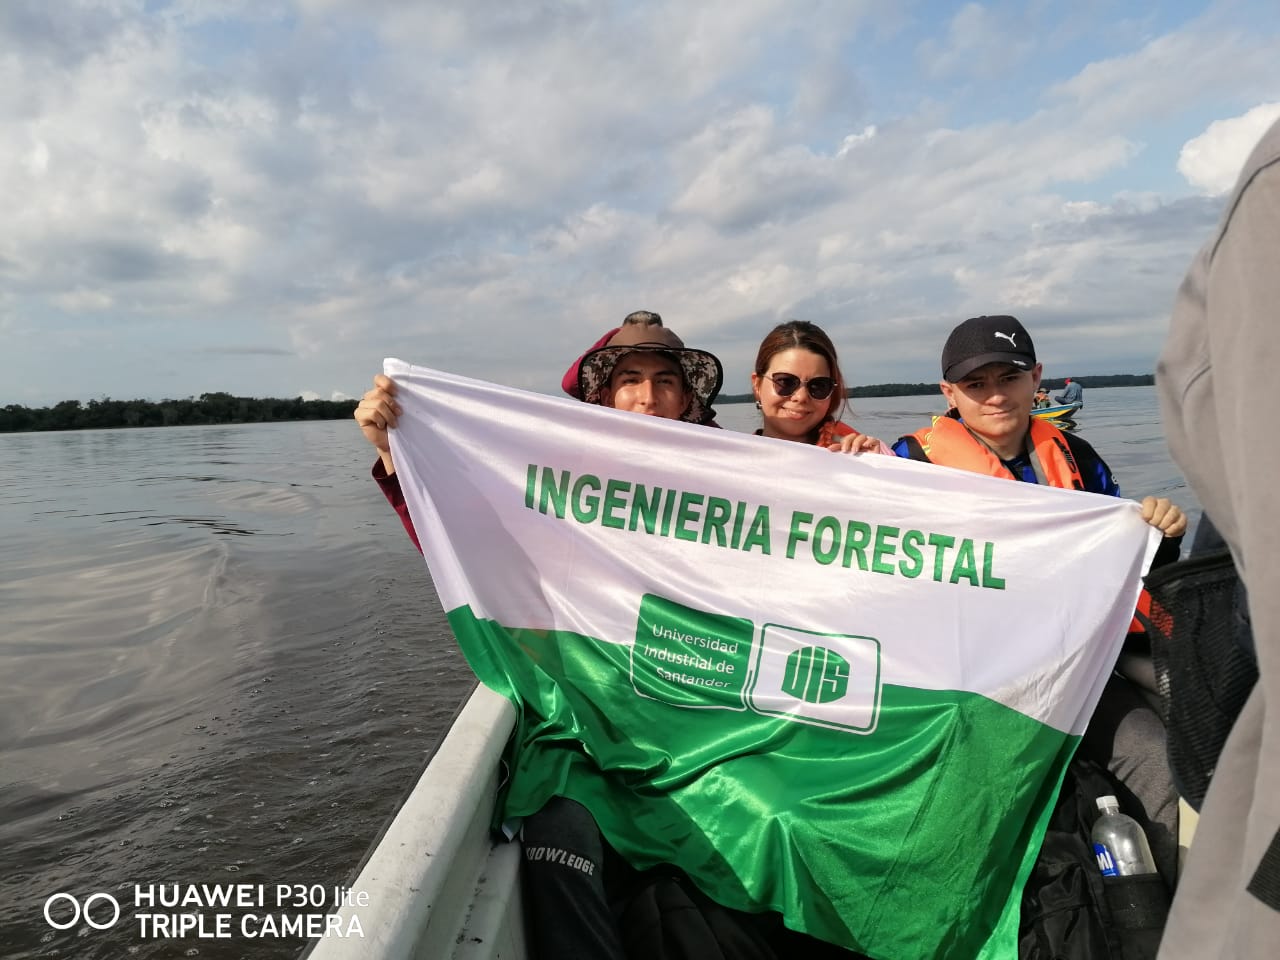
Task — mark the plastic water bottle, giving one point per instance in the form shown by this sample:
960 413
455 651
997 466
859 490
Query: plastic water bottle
1119 843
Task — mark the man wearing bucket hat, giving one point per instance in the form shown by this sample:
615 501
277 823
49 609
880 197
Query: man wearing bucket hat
643 369
573 882
650 370
643 318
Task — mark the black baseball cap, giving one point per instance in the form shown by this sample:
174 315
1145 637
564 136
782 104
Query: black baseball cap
982 340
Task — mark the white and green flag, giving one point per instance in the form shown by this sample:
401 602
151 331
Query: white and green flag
842 688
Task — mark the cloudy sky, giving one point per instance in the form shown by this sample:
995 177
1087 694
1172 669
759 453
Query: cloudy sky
269 196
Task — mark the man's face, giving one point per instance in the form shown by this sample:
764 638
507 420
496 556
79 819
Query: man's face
995 401
648 383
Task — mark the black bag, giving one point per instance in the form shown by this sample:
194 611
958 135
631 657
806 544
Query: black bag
1069 910
1202 650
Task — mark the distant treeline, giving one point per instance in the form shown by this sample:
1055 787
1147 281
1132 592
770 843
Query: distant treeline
224 408
207 408
925 389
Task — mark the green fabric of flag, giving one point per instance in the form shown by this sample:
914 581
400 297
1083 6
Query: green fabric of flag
849 698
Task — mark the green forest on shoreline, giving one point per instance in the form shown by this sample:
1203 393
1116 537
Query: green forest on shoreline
207 408
225 408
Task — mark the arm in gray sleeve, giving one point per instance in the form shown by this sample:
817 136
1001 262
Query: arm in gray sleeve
1214 377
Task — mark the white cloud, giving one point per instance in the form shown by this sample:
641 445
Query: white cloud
977 43
1212 161
489 187
854 140
83 301
1171 75
741 172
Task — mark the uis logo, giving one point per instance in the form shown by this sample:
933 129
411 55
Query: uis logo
816 675
829 680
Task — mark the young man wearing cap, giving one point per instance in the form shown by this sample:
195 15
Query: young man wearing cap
989 377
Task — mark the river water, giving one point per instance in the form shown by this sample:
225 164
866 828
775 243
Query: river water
222 661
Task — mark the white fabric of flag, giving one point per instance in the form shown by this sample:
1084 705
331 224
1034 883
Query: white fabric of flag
840 687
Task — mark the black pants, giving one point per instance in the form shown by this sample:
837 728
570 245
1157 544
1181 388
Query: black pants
580 895
568 908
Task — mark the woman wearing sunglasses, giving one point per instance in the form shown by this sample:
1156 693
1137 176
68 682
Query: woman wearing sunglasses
801 392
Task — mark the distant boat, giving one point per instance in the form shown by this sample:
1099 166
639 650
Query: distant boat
1063 411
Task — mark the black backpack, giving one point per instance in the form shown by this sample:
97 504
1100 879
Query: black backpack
1069 910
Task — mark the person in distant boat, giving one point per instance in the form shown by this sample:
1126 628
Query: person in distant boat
989 379
1223 341
1042 399
640 318
1072 393
800 391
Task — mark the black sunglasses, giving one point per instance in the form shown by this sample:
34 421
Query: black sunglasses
788 383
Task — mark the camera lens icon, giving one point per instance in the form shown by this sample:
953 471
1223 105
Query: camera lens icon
86 911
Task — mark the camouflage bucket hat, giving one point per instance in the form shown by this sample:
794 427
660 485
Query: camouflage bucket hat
702 371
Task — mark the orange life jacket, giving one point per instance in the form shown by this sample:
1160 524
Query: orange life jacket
947 442
831 431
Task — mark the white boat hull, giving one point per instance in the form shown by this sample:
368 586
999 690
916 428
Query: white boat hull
436 887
